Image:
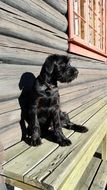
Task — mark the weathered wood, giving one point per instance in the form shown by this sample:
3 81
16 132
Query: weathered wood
14 151
9 118
5 131
8 106
10 136
89 174
71 105
100 180
21 56
81 160
20 184
60 5
22 158
29 34
10 76
104 148
42 11
31 20
11 42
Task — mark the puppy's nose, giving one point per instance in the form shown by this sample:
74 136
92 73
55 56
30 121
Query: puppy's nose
76 72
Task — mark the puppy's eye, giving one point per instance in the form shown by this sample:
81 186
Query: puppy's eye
63 67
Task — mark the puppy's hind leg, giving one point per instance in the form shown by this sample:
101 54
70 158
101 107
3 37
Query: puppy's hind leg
23 128
65 120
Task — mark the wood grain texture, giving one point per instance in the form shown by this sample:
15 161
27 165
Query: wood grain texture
42 11
80 165
29 33
100 180
88 176
60 152
60 5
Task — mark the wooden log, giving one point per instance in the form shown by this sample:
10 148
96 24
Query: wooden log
9 118
42 11
21 56
11 42
60 5
26 32
31 20
9 137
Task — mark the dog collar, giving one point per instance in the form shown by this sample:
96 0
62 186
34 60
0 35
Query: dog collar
49 86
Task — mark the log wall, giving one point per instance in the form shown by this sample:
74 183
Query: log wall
30 30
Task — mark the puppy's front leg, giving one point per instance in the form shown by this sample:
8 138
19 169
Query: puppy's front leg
35 127
60 137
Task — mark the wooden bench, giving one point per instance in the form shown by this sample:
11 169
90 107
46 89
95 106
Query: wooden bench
50 166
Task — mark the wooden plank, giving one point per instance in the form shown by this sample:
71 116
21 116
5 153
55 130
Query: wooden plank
86 105
8 106
14 151
20 184
89 174
104 148
66 178
8 152
100 180
94 71
33 159
10 135
11 82
71 105
13 116
83 62
41 11
28 159
91 110
9 118
73 95
60 5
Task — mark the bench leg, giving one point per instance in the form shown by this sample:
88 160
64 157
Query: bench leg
104 148
9 187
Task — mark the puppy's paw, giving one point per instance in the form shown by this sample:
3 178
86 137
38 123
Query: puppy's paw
83 129
65 142
23 138
77 128
36 142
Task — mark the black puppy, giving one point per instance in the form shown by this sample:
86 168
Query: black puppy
41 108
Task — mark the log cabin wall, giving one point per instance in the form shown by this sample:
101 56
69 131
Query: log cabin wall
30 30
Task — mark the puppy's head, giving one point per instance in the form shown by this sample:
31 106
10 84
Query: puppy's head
59 68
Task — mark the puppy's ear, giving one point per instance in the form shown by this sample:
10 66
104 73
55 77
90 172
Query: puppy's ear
49 64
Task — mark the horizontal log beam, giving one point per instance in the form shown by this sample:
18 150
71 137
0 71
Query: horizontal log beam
60 5
15 13
11 42
42 11
27 32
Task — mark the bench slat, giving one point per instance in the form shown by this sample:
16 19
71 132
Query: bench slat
11 168
100 180
89 143
8 133
89 174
